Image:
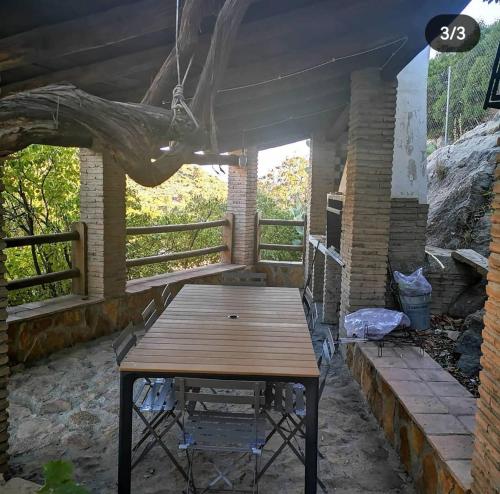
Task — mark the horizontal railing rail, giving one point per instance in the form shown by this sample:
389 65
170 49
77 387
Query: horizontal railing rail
149 230
52 238
77 273
225 249
260 246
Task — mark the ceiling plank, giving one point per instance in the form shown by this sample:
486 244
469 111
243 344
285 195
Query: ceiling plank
91 32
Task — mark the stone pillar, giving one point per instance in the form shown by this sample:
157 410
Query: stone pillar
4 358
367 205
102 208
320 184
333 270
486 456
409 174
242 202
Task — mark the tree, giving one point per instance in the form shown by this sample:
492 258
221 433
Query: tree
132 135
41 196
282 194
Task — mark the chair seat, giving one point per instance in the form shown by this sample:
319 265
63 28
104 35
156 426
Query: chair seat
224 431
157 395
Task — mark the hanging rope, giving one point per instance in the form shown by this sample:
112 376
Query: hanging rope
179 104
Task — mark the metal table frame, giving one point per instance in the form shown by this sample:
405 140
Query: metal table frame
127 380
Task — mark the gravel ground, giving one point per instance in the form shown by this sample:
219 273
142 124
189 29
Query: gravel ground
66 407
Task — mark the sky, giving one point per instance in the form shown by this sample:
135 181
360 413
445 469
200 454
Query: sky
269 158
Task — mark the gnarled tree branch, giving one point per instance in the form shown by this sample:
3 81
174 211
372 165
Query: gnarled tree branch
129 134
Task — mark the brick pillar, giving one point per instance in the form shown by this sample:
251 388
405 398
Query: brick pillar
4 359
321 182
242 202
102 207
486 457
333 270
367 205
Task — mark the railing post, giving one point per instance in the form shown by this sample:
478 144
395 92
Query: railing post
305 240
79 259
227 239
257 238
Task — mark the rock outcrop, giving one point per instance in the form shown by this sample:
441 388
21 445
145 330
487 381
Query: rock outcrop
460 183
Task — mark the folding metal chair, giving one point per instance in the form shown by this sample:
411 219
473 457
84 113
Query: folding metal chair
149 315
166 297
153 401
289 400
221 431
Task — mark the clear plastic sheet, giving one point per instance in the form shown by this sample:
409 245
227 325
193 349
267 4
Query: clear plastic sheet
374 324
414 284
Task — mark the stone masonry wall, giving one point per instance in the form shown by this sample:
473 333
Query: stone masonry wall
367 206
102 207
242 202
4 359
486 458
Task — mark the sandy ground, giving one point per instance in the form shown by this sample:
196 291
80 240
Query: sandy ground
66 407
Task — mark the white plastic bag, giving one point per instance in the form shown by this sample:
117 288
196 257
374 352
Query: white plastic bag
374 324
414 284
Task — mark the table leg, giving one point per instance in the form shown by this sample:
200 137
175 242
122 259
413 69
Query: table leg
311 473
125 432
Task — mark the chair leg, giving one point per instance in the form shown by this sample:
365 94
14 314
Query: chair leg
161 443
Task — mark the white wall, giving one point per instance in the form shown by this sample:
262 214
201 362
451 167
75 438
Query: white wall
409 175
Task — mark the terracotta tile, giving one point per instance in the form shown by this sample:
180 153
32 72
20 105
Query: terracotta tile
459 405
422 363
469 422
393 374
437 375
433 423
395 362
424 404
411 388
453 446
461 469
449 389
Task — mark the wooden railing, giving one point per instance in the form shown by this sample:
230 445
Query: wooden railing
259 246
78 270
225 249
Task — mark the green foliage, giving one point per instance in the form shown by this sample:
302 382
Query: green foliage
41 196
470 73
282 194
59 479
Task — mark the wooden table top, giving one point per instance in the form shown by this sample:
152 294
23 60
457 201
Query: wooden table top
195 334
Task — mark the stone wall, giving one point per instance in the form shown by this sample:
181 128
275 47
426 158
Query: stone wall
285 274
424 412
486 460
407 234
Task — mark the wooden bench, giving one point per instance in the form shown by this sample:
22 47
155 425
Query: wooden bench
185 275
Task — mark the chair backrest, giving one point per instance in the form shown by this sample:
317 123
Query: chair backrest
149 315
166 297
325 360
310 307
124 342
189 390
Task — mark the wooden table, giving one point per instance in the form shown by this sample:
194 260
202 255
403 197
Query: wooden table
225 332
